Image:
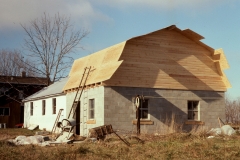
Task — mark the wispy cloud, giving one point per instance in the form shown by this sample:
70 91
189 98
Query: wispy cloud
85 12
14 12
161 4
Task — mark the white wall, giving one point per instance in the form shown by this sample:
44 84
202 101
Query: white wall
47 120
96 93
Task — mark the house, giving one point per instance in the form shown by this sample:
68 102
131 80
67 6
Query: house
180 77
42 107
12 90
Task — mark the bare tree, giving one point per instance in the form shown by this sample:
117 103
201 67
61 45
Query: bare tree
50 41
232 110
12 63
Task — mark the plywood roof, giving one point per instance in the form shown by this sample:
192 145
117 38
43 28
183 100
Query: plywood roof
167 58
104 63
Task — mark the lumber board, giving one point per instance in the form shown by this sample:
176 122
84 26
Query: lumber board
192 35
223 60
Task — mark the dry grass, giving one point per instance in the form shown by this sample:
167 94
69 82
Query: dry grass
13 132
171 146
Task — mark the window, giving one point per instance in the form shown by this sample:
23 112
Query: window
54 105
193 110
31 108
143 109
91 109
4 111
43 107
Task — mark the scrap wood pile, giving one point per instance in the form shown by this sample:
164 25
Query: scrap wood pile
102 131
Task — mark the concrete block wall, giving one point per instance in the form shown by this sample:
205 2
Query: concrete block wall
163 105
96 93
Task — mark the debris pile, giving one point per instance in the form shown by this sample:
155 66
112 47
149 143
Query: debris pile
37 139
225 130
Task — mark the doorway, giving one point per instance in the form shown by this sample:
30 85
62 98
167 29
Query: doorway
78 118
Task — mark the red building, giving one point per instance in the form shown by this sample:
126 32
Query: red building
12 90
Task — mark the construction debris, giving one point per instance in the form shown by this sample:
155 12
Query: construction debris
37 140
101 132
225 129
33 127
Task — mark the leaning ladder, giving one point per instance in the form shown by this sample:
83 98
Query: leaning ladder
80 88
56 121
84 115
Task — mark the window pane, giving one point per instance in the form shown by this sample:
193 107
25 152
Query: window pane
91 114
54 110
144 104
91 109
195 115
91 103
54 105
144 114
4 112
195 105
54 101
190 105
190 115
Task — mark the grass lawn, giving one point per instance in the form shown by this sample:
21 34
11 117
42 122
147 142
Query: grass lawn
172 146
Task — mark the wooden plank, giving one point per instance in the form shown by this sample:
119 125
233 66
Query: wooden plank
143 122
91 122
195 122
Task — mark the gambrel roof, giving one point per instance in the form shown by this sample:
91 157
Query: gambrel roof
168 58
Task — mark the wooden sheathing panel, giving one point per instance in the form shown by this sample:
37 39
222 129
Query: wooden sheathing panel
78 65
167 59
219 68
192 35
221 64
104 63
106 71
196 38
223 60
225 80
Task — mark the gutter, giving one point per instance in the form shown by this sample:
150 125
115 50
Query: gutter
43 97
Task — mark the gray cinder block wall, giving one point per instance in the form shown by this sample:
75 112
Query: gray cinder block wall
114 105
163 104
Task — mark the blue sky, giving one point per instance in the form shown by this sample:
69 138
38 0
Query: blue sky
114 21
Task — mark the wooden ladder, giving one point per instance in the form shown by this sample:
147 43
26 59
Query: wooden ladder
56 121
80 88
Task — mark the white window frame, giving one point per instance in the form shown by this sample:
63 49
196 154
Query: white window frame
193 110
